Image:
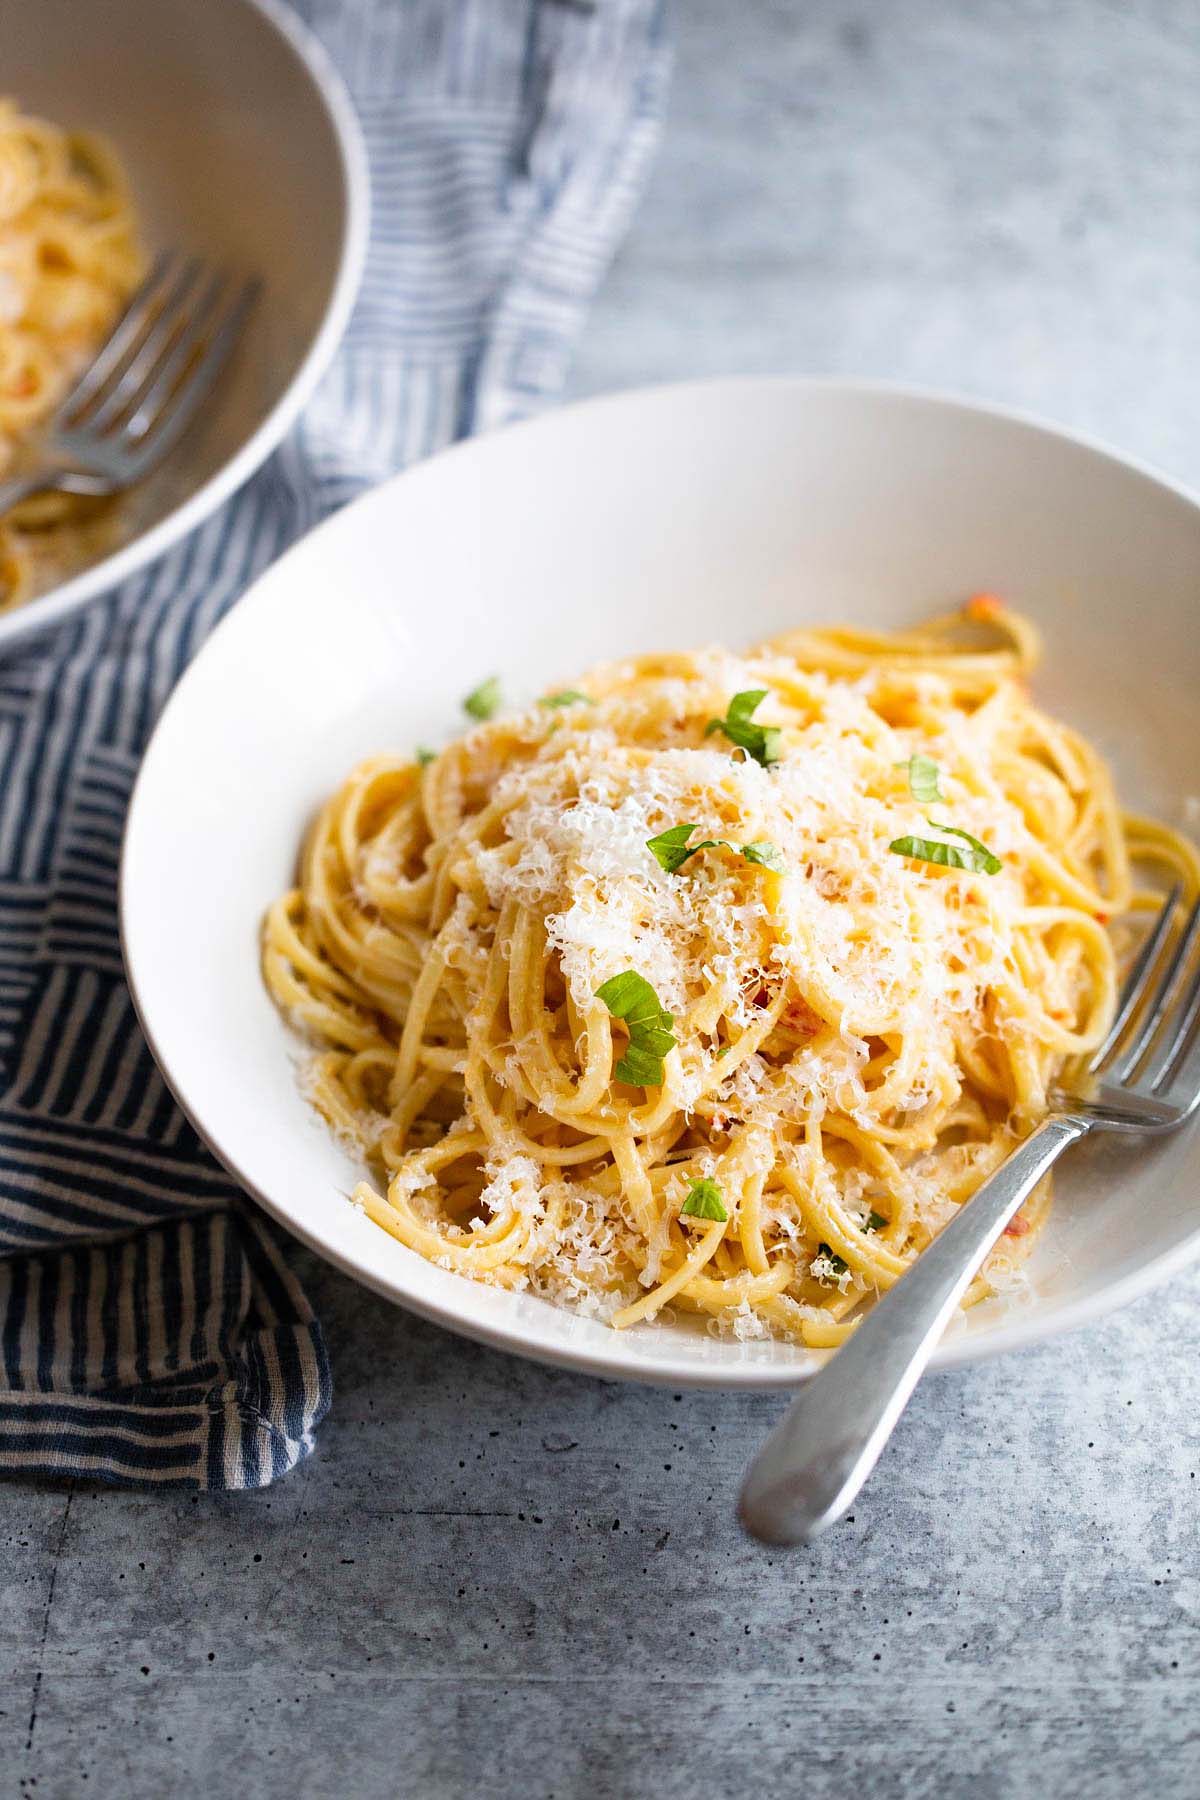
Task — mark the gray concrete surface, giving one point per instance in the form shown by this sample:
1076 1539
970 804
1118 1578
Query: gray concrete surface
496 1579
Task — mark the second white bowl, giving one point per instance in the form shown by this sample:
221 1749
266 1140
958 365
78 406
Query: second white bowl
241 146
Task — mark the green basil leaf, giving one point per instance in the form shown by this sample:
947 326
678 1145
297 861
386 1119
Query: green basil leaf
761 742
704 1201
670 847
639 1065
630 997
568 697
764 852
977 859
923 780
985 862
486 699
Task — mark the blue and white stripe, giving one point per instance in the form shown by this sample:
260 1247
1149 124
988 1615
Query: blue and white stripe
150 1328
184 1353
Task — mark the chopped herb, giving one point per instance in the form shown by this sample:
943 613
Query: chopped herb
923 785
923 780
672 849
486 699
825 1254
424 755
764 852
930 851
630 997
758 741
976 858
568 697
671 846
876 1222
723 1051
704 1201
984 858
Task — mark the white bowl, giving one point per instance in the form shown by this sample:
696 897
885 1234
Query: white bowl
671 517
241 144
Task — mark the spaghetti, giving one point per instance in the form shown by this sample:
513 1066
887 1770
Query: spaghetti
69 259
867 888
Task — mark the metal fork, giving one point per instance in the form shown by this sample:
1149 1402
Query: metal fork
144 384
1145 1078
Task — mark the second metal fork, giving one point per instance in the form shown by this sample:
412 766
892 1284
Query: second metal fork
1145 1078
142 387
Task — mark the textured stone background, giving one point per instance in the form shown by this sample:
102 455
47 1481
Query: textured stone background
494 1578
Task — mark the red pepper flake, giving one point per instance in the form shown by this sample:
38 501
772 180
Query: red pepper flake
801 1017
1101 918
1018 1227
983 606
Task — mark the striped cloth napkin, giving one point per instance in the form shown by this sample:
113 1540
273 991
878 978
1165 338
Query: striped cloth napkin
150 1327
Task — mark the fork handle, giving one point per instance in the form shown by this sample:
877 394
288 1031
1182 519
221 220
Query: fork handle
817 1458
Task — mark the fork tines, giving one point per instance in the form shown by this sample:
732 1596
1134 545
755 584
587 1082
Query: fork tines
1151 1052
156 366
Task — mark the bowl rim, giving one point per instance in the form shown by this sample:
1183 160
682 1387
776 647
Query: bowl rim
47 610
1023 1331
